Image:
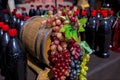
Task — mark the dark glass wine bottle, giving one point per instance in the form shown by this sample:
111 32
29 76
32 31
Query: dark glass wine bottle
4 41
98 15
1 33
111 22
20 24
32 11
83 15
13 17
38 11
54 10
18 16
47 9
16 60
6 16
104 36
90 30
24 13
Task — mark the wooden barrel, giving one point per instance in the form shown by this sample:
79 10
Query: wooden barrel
36 38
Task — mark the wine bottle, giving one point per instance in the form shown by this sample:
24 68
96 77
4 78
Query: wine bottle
38 11
24 13
104 36
6 16
1 33
32 11
83 15
4 41
91 30
16 61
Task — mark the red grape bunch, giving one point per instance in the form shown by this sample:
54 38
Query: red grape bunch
60 56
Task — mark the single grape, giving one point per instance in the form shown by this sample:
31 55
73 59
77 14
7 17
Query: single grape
72 64
78 70
77 66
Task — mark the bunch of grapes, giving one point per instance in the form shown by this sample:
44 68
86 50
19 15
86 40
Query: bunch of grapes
75 51
60 56
82 75
74 48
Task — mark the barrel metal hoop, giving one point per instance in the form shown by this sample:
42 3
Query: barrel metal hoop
36 40
42 45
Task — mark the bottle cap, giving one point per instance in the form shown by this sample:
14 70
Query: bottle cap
38 7
93 14
21 17
26 18
47 6
75 13
12 32
103 11
5 28
98 10
60 5
71 7
94 11
78 9
5 11
23 9
1 24
111 12
106 10
64 6
54 8
15 10
32 5
68 5
105 14
18 15
13 13
83 13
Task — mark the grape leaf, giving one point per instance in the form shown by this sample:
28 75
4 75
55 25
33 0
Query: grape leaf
68 33
64 10
82 22
81 29
75 35
64 28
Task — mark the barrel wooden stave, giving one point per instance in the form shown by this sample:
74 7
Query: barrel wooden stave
36 38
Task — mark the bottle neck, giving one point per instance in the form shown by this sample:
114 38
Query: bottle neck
110 15
23 11
38 8
32 7
84 16
93 16
5 32
13 37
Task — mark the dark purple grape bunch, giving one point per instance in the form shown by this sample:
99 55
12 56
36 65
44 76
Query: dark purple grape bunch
74 68
75 51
